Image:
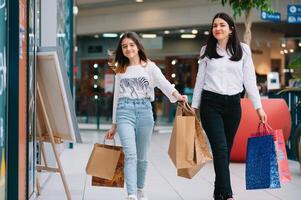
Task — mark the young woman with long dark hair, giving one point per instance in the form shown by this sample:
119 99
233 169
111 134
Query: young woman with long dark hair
225 67
135 80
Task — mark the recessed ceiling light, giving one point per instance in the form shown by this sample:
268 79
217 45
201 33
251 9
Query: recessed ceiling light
139 1
194 31
187 36
96 36
206 32
149 35
110 35
166 32
182 30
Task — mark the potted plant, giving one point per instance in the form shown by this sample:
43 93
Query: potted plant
296 66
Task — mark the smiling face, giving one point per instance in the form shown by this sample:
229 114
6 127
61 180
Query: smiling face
129 49
221 29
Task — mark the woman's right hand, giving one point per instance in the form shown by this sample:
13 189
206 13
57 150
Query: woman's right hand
111 133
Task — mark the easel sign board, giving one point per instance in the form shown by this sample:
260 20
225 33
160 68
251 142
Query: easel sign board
53 85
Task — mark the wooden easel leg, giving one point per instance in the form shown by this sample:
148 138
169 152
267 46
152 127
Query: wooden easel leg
43 154
52 141
60 168
38 186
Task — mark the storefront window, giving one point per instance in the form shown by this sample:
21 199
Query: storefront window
63 30
33 25
3 93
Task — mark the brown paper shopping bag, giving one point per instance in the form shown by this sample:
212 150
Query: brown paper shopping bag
181 146
201 153
118 179
103 161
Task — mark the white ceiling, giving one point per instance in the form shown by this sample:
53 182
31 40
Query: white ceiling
81 2
88 4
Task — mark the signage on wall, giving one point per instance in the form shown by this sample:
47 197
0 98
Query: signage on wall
294 14
274 17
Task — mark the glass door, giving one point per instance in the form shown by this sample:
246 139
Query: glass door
3 96
33 13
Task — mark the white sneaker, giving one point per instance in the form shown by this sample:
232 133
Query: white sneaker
132 197
141 194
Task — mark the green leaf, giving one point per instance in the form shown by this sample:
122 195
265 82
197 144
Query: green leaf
241 6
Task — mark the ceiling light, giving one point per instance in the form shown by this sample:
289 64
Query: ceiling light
285 51
187 36
206 32
95 77
95 97
149 35
110 35
291 50
299 44
166 32
283 45
96 36
95 65
281 52
95 86
174 61
182 30
173 75
194 31
139 1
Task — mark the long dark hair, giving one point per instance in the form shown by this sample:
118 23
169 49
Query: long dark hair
120 62
233 44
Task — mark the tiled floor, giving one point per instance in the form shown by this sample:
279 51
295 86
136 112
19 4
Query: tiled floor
162 182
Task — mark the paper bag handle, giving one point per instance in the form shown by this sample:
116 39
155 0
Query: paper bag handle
185 107
263 129
114 141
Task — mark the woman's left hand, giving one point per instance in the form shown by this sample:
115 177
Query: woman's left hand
262 115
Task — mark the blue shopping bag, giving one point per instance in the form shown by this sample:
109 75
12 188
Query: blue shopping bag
261 164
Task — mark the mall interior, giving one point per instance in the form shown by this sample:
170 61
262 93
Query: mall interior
73 97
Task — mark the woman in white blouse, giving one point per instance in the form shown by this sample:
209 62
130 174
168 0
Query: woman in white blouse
225 67
135 80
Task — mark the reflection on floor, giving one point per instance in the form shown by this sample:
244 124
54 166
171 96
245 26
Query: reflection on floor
162 182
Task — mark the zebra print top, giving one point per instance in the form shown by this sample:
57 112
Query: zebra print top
138 82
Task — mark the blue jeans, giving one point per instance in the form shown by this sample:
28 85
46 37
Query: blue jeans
135 123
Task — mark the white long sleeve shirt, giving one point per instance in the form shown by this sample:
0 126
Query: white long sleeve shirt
226 77
138 82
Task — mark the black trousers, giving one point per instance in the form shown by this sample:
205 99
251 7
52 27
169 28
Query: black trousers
220 117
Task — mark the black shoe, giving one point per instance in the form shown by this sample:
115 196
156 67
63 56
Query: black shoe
222 196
